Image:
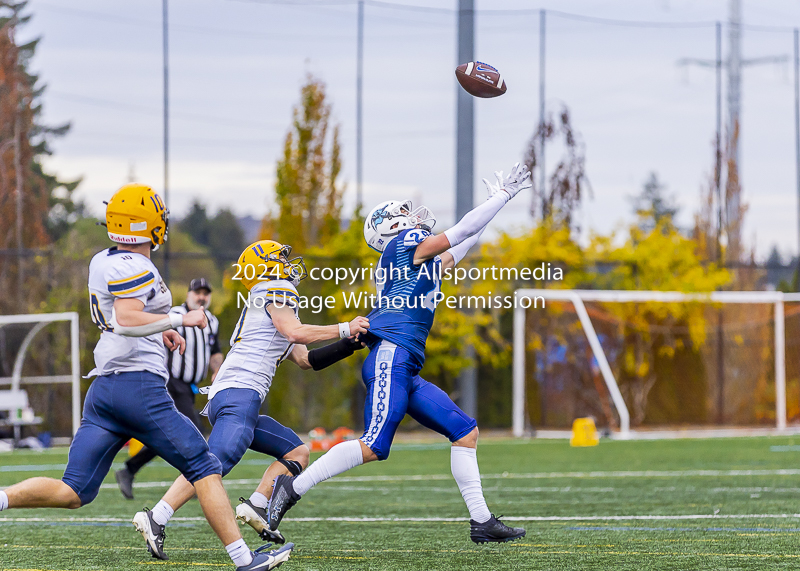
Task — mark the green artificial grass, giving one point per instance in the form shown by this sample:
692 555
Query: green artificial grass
641 481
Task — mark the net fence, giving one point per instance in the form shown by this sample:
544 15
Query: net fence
676 364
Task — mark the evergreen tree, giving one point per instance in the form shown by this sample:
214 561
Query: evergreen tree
196 223
653 206
47 205
36 207
225 237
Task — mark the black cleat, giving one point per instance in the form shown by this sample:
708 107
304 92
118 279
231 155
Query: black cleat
154 534
265 559
493 531
125 481
256 518
282 499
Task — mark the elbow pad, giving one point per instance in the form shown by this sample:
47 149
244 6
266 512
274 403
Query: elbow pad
332 353
170 321
476 219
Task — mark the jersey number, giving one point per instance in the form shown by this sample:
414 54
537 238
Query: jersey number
97 316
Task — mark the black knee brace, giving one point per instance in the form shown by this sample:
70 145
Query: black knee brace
294 467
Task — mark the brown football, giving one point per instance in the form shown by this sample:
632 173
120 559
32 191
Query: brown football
480 79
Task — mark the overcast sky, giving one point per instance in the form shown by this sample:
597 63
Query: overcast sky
237 66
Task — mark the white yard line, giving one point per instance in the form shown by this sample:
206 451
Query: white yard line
503 476
367 519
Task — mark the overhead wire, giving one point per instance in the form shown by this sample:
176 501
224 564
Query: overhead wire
386 4
152 111
205 30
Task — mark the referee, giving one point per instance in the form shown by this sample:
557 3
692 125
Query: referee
185 372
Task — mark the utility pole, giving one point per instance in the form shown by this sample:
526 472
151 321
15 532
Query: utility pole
718 161
732 188
735 63
728 208
542 24
465 172
797 140
465 120
165 35
359 105
720 259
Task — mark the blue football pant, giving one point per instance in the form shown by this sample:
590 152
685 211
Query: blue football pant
133 405
394 389
237 426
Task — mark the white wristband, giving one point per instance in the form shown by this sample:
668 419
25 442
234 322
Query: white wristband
176 319
344 330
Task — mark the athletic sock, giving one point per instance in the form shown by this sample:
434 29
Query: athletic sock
338 459
162 512
464 465
3 501
259 500
240 553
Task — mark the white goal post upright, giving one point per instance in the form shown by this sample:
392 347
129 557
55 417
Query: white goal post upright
578 297
74 378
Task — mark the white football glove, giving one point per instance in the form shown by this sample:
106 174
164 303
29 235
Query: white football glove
518 180
493 189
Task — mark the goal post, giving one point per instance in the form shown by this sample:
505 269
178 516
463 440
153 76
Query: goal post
578 298
39 321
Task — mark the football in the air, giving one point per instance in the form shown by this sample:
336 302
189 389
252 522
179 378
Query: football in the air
480 79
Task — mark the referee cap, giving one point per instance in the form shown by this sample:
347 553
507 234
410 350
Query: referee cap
199 283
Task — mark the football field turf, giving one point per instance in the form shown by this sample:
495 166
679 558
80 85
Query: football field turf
673 504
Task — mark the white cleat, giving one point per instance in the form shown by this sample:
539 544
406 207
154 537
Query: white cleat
255 517
152 533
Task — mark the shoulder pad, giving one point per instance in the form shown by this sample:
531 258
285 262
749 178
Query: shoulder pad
129 274
280 291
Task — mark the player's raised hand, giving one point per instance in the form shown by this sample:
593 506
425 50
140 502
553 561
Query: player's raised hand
359 325
519 179
493 189
173 340
195 318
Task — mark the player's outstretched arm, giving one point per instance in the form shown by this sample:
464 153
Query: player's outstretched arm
476 219
454 255
299 356
128 318
323 357
290 327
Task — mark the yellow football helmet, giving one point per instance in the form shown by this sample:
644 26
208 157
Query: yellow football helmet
137 215
269 260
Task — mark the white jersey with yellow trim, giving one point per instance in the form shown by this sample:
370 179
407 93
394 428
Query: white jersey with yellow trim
257 348
117 273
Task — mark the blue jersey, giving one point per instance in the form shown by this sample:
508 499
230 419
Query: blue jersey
407 295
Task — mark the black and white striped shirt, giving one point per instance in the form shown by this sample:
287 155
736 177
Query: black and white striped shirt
201 344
